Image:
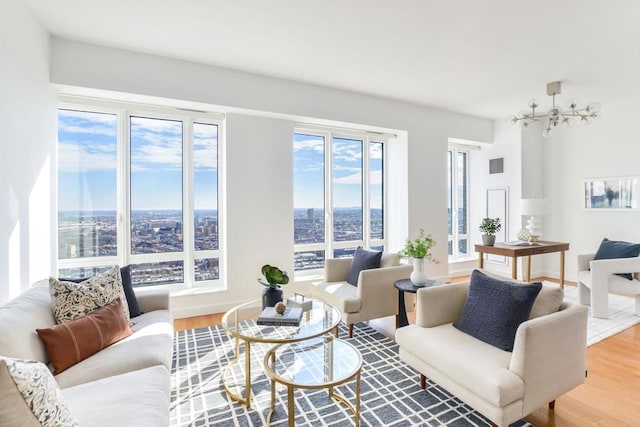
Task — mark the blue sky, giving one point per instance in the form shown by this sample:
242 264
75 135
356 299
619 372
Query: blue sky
87 161
309 151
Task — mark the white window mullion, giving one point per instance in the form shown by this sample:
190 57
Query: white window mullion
188 232
124 189
328 194
366 197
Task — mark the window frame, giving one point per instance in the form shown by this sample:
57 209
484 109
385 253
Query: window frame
330 245
455 237
124 111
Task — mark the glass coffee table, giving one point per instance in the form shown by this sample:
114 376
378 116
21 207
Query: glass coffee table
240 323
323 362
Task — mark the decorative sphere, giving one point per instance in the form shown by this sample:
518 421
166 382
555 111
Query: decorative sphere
280 307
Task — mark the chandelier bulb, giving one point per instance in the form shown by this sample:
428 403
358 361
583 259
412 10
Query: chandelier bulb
511 119
572 104
567 122
546 132
594 107
534 103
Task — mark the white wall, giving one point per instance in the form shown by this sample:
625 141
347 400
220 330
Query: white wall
417 158
606 148
27 151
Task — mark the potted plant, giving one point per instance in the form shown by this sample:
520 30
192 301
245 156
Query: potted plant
273 278
420 250
489 227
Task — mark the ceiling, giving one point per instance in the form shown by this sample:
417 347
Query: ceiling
485 58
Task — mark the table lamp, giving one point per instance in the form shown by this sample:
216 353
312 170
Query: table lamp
533 207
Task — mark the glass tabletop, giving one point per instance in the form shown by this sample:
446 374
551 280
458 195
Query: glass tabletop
240 322
322 361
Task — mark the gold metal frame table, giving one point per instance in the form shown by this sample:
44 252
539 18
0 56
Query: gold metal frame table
324 362
240 323
515 251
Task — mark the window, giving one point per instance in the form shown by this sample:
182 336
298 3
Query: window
458 202
338 195
139 189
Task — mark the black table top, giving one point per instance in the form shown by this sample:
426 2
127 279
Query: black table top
406 285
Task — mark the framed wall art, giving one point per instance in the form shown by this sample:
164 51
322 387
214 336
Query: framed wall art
620 193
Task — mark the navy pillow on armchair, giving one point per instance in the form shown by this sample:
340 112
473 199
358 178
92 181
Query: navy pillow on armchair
611 249
494 309
362 260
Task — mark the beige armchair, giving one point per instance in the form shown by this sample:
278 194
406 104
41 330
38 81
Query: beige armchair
375 295
548 357
597 278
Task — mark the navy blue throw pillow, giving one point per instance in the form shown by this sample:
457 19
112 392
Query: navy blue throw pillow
610 249
134 307
494 309
362 260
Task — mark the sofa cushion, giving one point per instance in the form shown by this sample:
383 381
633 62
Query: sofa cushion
362 260
30 396
70 300
480 368
73 341
341 295
139 398
611 249
548 300
494 309
389 259
150 344
19 319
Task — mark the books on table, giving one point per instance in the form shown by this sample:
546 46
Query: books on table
290 317
519 243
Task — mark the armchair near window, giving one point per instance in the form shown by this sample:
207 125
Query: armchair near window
596 278
373 297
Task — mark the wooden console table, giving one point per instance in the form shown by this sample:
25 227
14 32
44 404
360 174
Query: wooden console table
514 252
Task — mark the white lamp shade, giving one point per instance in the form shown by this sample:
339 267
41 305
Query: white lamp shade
533 206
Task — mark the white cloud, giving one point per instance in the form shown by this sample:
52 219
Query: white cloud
356 178
73 157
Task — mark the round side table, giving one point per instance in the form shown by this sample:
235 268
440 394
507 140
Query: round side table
406 285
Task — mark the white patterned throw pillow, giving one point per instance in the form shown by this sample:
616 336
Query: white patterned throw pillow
71 300
30 396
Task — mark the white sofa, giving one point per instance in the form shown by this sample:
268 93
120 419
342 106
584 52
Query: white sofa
548 357
596 278
125 384
374 297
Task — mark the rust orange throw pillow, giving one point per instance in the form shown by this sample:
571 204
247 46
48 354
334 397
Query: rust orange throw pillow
70 342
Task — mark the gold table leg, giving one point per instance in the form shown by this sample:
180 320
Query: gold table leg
562 269
528 276
480 260
290 406
514 267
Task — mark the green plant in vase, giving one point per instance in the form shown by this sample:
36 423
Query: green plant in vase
273 279
419 249
489 227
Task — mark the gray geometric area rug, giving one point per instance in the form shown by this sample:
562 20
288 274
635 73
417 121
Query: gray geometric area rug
621 315
390 390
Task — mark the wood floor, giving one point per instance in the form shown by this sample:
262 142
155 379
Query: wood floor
610 397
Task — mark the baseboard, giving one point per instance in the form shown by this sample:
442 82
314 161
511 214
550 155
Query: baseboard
202 310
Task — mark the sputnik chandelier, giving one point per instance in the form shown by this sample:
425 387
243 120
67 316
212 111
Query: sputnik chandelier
556 116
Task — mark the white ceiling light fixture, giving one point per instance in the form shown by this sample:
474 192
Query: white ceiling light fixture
555 116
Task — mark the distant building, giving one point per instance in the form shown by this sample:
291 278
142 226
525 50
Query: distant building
310 214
